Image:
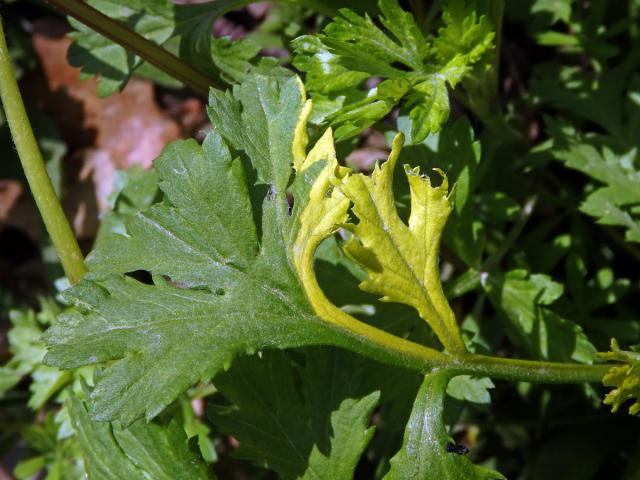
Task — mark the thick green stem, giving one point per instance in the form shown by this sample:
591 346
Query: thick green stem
145 49
54 218
531 370
397 351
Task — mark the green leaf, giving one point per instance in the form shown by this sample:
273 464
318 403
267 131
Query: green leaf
316 432
522 300
556 9
144 450
161 21
354 48
134 189
30 468
222 276
166 336
625 377
60 457
609 204
470 389
424 452
97 55
595 97
260 118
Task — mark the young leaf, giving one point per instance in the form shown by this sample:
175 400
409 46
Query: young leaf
424 453
353 48
521 300
458 153
625 377
320 209
471 389
318 433
144 450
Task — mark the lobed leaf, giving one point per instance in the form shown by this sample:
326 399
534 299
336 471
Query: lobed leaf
316 432
144 450
402 260
522 299
225 273
209 257
354 48
611 204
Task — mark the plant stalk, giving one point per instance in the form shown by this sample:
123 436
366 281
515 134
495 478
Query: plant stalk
387 348
33 165
384 347
532 370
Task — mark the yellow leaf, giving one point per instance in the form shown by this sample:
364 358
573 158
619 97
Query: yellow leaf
325 211
402 260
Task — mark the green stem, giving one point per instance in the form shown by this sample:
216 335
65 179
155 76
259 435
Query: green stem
145 49
39 182
387 348
531 370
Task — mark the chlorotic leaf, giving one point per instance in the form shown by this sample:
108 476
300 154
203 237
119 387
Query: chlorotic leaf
625 377
402 260
321 211
318 432
424 454
144 450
